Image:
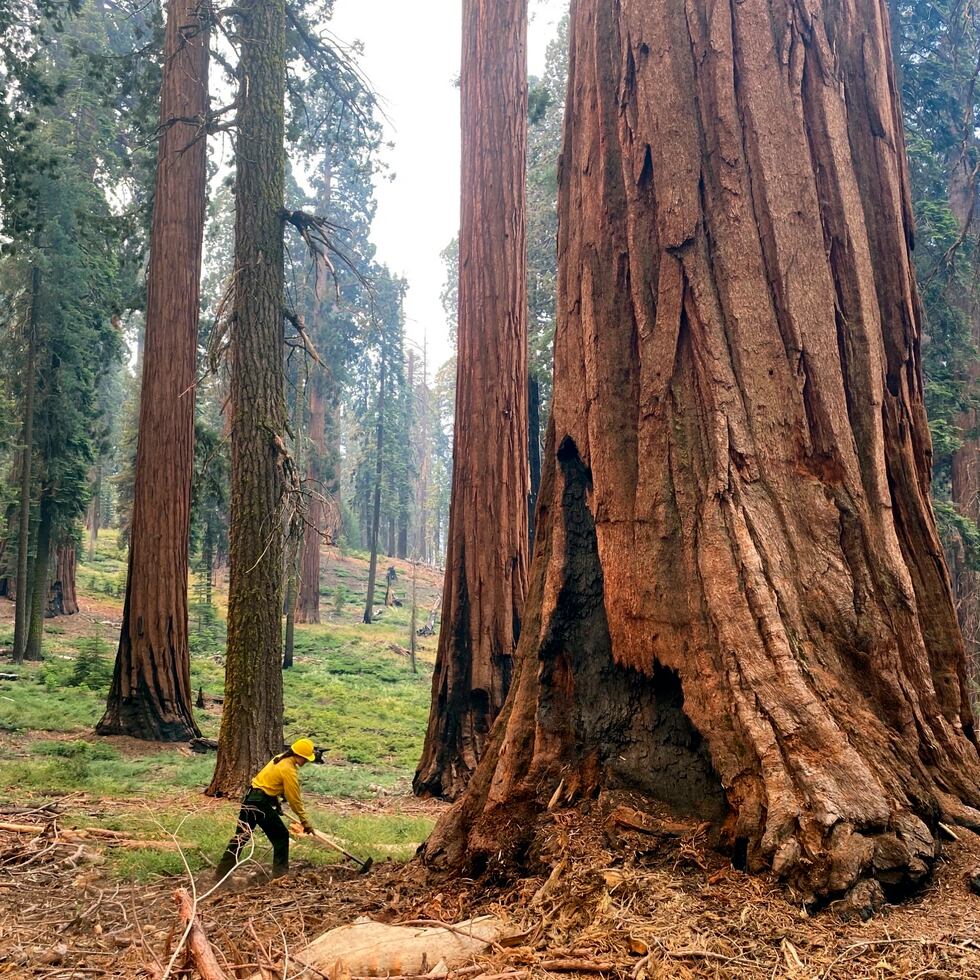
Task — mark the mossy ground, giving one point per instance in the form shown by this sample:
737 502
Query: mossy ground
351 689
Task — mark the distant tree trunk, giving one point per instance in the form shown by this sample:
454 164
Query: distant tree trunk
38 588
292 582
422 493
308 610
486 560
22 598
376 522
94 517
6 578
251 723
533 452
401 547
207 547
151 695
294 538
413 624
62 597
738 604
404 490
322 393
365 500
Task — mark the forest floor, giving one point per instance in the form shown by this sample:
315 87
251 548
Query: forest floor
115 825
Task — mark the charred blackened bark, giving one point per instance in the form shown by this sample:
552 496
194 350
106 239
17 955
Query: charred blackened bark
487 546
533 452
738 410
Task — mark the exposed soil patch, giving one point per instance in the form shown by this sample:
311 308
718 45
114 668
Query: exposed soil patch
634 905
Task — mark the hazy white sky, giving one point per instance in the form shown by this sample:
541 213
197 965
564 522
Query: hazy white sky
411 56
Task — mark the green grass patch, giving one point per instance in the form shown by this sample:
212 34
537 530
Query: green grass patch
348 690
203 836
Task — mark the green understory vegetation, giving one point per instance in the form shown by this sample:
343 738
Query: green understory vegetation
349 689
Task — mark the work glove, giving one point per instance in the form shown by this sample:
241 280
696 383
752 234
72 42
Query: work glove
307 828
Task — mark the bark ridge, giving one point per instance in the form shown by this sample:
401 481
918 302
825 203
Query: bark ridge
738 385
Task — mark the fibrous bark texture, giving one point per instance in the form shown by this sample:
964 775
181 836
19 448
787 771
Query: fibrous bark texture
320 477
487 547
738 599
964 199
62 597
150 695
21 598
38 590
321 470
251 723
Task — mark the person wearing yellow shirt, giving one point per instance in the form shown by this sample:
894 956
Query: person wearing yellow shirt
260 808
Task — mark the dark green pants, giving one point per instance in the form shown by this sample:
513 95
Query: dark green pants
258 810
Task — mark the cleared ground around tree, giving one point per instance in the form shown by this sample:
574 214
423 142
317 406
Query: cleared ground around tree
624 904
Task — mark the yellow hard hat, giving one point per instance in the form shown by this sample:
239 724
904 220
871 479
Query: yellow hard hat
303 747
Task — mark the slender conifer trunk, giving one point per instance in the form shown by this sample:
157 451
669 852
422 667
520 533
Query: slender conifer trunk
22 596
38 586
251 723
376 517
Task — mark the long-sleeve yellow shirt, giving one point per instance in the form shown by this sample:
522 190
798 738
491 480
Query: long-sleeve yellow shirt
279 778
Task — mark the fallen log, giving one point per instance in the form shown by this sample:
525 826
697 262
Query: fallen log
200 949
112 838
376 949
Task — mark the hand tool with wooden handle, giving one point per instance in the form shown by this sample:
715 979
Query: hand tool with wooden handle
320 836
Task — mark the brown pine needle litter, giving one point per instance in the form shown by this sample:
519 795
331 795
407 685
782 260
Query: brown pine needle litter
625 905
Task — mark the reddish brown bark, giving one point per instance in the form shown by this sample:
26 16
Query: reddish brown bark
321 475
62 593
965 470
738 601
308 607
150 695
486 561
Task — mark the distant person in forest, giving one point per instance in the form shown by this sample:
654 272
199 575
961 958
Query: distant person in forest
261 807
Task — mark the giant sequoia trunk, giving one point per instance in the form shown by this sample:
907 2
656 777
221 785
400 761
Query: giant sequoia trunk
738 602
150 695
965 483
251 724
487 547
